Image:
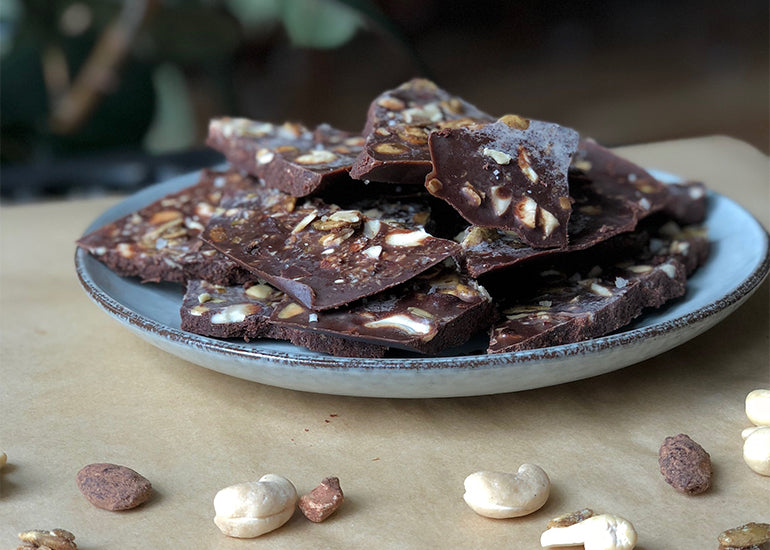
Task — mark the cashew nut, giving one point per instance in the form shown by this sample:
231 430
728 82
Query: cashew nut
504 495
602 532
251 509
758 407
756 449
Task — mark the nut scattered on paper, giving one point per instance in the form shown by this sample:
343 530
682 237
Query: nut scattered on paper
751 536
248 510
55 539
685 465
323 501
113 487
507 495
602 532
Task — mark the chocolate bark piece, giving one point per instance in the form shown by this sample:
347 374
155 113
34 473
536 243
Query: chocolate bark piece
243 311
397 127
595 218
320 255
289 157
571 308
509 174
569 305
687 202
160 241
434 311
612 175
688 244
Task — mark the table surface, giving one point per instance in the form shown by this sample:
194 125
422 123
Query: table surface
77 388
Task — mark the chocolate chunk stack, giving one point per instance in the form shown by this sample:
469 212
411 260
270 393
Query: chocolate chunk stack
436 224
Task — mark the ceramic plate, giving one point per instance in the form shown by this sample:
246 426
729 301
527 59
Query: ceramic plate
737 265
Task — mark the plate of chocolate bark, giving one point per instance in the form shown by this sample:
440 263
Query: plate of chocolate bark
440 252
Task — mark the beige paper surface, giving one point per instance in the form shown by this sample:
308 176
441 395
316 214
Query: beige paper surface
77 388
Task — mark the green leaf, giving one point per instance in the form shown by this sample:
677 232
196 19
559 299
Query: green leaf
322 24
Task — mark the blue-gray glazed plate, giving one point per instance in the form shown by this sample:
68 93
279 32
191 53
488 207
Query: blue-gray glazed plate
737 266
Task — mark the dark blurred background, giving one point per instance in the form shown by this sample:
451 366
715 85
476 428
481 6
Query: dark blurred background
104 95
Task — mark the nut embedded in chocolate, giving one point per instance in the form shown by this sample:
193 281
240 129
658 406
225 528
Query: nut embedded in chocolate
685 465
113 487
323 501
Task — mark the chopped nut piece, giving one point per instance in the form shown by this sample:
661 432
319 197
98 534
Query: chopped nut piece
390 149
526 211
751 536
323 501
433 186
319 156
499 157
547 221
471 194
259 291
406 238
56 539
290 311
525 164
515 121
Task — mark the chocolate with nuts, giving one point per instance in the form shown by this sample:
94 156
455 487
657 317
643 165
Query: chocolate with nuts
436 310
288 157
510 174
685 465
569 307
322 256
160 241
397 127
612 175
244 311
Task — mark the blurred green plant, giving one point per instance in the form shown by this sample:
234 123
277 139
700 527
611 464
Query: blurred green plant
85 75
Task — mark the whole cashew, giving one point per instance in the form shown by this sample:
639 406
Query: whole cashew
758 407
602 532
504 495
756 449
251 509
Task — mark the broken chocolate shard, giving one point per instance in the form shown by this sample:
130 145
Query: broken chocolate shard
397 127
595 218
510 174
434 311
243 311
615 176
160 241
321 255
570 306
288 157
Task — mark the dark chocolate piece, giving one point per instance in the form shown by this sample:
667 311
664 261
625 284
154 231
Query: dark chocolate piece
288 157
595 218
432 312
614 176
160 241
687 202
244 311
397 127
510 174
320 255
571 308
